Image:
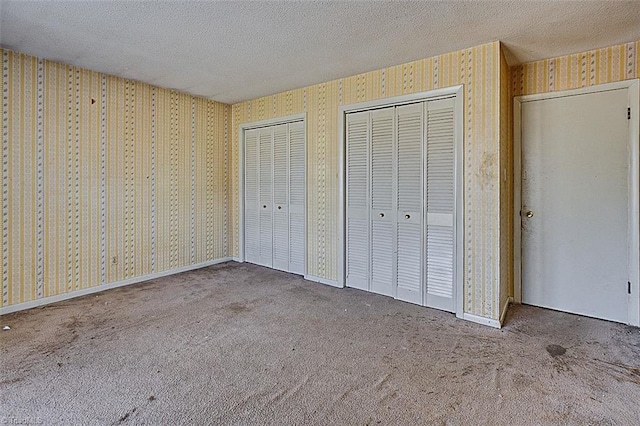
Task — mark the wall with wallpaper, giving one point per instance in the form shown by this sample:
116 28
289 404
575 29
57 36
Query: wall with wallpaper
506 185
478 69
105 179
598 66
606 65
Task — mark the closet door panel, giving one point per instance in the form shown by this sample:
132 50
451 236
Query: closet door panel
281 197
382 201
410 141
440 194
266 196
358 203
297 200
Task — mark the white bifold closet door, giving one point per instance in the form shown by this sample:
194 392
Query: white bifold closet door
275 197
400 202
440 204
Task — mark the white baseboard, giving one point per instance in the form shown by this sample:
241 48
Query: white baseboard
482 320
96 289
503 314
237 259
332 283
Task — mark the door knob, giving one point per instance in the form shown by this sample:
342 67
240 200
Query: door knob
279 207
529 214
264 206
381 215
406 216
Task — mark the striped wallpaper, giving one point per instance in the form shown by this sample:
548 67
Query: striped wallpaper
607 65
105 179
506 183
478 68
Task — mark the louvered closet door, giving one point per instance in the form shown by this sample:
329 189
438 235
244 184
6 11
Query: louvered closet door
382 201
265 141
409 202
297 190
281 197
440 193
358 205
252 197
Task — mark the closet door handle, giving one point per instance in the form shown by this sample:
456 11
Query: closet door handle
279 207
406 216
381 215
264 206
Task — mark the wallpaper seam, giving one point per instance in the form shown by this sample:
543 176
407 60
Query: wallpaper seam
209 186
40 182
320 152
192 219
126 178
69 176
5 178
630 63
76 170
103 179
152 231
226 181
172 186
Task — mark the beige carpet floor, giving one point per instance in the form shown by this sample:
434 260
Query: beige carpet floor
240 344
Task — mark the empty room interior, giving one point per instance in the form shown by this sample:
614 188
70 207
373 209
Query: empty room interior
320 212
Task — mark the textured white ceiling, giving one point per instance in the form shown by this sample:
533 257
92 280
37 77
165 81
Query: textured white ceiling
233 51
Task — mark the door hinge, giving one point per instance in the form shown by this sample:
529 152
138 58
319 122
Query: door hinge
629 113
629 287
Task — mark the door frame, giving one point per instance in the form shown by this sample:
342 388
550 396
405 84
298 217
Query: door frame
455 92
242 128
633 239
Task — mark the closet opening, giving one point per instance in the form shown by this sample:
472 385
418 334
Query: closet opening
402 198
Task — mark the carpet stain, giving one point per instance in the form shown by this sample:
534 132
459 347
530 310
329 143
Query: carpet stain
556 350
238 308
126 416
11 381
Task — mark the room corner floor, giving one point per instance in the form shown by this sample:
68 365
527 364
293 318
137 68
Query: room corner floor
241 344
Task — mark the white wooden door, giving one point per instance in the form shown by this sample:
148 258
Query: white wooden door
401 202
409 195
440 204
383 188
358 204
297 191
274 225
265 142
280 206
252 197
575 177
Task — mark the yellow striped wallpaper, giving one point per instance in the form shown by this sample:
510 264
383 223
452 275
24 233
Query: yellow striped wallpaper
506 183
105 179
478 69
607 65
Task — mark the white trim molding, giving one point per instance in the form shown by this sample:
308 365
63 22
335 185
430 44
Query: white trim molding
482 320
332 283
633 87
100 288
